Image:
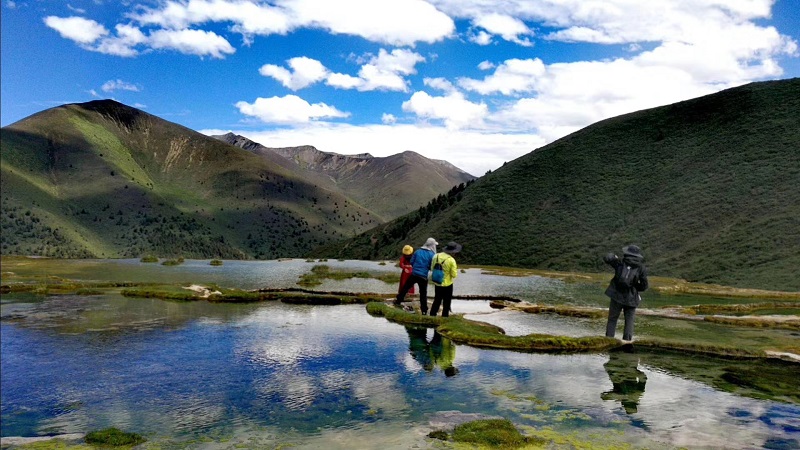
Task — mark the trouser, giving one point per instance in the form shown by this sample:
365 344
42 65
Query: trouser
442 295
613 314
423 291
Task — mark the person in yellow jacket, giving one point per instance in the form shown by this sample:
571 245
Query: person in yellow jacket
443 291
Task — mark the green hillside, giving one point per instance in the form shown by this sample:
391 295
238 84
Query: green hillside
101 179
710 188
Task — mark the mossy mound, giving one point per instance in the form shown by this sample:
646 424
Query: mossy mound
113 437
480 334
494 433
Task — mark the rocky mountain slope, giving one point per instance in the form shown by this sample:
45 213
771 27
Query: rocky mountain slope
388 186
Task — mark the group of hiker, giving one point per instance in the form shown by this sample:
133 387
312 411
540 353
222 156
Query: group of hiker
417 264
630 278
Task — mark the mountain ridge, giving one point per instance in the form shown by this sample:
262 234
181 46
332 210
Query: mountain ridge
389 186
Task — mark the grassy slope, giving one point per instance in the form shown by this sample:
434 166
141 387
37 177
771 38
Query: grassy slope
101 179
708 188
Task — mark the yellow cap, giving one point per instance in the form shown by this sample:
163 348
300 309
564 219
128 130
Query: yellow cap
407 250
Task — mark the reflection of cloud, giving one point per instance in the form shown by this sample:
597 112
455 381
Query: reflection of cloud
195 413
380 392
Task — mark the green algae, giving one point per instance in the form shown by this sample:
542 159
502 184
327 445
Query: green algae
494 433
113 437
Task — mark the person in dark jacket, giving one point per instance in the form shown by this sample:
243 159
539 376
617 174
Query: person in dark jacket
420 266
630 278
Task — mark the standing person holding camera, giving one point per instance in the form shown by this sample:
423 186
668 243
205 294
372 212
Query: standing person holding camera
630 278
444 266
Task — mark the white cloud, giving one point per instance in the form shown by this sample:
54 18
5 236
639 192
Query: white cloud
453 109
78 29
439 83
191 42
513 76
386 71
481 38
344 81
124 43
290 109
486 65
394 22
388 118
509 28
77 10
248 17
114 85
305 71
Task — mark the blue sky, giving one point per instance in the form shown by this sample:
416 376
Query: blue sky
473 82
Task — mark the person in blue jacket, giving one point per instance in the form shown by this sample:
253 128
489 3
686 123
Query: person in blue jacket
420 266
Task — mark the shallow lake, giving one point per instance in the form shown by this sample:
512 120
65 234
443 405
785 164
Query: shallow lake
265 375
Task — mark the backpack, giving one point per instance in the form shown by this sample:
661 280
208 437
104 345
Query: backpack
437 274
628 278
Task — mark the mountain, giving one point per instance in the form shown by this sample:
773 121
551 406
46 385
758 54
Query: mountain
388 186
101 179
709 188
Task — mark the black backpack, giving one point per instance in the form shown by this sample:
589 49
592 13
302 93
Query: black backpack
628 277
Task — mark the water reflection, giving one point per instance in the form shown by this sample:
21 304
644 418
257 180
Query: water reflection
627 380
436 352
269 375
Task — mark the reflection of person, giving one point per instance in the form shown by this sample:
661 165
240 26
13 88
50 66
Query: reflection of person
627 379
440 351
419 347
420 266
630 278
443 353
443 292
405 266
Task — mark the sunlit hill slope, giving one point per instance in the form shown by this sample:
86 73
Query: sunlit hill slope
102 179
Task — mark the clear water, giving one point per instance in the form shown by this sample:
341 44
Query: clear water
201 375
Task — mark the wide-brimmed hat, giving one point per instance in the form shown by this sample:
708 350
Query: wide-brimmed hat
632 250
451 248
407 250
430 242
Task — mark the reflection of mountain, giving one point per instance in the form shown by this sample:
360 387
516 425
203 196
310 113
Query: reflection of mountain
627 380
112 314
439 351
756 378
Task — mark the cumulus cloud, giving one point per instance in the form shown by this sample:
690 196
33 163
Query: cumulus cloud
386 71
289 109
453 109
95 37
513 76
305 71
394 22
509 28
191 42
114 85
78 29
